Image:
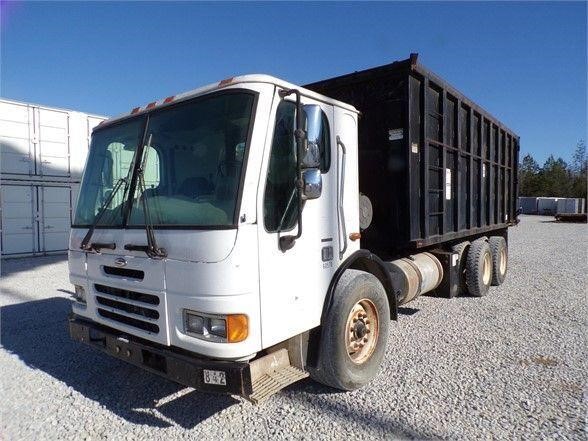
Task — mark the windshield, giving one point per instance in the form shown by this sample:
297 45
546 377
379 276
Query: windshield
191 160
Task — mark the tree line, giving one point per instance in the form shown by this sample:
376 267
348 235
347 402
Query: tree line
556 178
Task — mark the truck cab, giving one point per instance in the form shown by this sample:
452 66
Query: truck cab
212 176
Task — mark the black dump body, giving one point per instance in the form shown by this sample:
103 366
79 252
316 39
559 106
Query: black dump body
435 166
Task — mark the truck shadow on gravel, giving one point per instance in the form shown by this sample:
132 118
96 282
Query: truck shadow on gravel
37 332
19 264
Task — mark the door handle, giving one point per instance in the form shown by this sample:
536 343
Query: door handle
26 228
340 188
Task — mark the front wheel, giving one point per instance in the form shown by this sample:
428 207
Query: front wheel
354 333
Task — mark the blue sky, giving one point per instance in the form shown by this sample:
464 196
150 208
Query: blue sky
523 62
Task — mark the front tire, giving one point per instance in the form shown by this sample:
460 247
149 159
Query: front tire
354 333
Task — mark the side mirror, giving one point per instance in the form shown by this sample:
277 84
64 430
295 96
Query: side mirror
312 183
308 134
311 157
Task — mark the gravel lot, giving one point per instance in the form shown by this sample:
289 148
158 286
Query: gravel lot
510 365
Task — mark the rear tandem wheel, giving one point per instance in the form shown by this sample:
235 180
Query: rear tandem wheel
479 268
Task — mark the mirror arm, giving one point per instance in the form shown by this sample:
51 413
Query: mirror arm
287 242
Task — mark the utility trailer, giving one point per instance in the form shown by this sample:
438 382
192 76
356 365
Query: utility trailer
258 232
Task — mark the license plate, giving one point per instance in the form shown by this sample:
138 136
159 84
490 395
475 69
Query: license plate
215 377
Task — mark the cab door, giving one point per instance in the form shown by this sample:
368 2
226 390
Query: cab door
293 283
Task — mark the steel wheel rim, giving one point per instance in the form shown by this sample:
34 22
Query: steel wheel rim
361 332
487 269
503 261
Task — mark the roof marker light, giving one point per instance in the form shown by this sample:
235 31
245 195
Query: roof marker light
225 82
151 105
135 110
169 99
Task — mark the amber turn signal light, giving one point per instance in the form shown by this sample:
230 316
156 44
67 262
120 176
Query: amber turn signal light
355 236
237 328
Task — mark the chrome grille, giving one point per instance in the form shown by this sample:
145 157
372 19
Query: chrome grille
126 294
130 308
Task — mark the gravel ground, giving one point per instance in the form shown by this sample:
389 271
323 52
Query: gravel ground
509 365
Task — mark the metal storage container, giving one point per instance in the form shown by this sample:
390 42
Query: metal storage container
570 205
35 217
43 143
435 166
528 205
547 206
42 155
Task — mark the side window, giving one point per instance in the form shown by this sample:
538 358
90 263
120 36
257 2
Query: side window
279 202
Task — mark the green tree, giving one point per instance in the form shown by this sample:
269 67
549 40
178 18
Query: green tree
555 178
578 171
529 184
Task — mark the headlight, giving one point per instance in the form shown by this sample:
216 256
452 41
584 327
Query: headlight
220 328
194 323
79 294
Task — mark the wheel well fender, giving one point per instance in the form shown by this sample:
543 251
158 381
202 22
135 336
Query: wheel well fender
364 260
360 260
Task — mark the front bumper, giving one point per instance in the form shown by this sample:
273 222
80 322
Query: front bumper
174 364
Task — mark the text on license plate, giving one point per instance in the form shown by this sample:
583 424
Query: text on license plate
215 377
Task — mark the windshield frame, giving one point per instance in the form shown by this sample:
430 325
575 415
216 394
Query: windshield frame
139 154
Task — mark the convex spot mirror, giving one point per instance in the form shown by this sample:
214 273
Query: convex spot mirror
312 183
311 157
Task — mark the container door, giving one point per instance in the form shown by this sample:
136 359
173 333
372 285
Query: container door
55 220
53 152
16 139
19 229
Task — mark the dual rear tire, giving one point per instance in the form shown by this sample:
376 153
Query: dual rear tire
499 251
486 262
479 268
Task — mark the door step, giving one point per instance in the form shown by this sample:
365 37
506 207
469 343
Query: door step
272 373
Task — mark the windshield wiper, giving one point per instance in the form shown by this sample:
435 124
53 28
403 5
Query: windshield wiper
151 249
97 246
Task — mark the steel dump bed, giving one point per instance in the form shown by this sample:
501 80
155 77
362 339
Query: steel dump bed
436 166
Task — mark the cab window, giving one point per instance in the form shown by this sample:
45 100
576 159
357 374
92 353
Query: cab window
280 198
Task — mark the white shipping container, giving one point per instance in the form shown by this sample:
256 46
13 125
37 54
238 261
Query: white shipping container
528 205
43 143
36 218
43 151
570 205
547 206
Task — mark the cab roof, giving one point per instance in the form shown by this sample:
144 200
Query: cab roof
225 84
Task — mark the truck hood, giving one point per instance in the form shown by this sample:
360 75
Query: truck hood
203 246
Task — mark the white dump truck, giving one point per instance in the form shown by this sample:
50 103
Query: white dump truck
250 233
